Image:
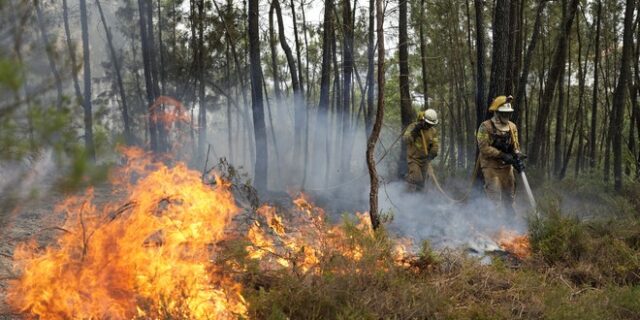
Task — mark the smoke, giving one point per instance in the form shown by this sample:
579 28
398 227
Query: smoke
446 224
29 176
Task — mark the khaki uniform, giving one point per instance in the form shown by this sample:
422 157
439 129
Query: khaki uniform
499 179
419 150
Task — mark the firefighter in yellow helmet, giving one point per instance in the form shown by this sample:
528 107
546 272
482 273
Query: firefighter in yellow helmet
421 138
500 154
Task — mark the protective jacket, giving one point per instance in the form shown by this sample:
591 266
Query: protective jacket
494 140
421 149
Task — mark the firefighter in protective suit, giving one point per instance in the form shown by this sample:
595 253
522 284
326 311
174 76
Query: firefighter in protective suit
421 138
499 154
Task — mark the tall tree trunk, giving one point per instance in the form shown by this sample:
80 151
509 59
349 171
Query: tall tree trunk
261 160
148 80
298 48
72 53
298 95
481 103
49 50
524 76
116 63
500 55
322 127
274 54
556 70
511 46
88 114
202 104
370 69
347 72
423 55
619 93
377 126
407 114
594 99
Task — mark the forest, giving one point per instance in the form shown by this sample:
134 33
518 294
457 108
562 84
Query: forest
309 159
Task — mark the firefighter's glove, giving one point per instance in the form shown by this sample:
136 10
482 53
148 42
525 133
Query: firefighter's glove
519 163
431 156
508 158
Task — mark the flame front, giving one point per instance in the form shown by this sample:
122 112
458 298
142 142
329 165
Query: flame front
148 256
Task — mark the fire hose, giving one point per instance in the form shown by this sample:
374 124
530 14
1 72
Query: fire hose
436 183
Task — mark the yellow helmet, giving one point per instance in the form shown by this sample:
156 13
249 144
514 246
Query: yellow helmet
501 104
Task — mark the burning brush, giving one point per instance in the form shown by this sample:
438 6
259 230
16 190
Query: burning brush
146 256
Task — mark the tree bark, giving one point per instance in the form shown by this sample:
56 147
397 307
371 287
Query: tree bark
406 111
480 94
556 69
298 111
500 55
274 54
370 69
72 54
524 76
423 56
620 91
377 126
116 63
261 160
148 80
88 114
202 104
347 78
594 100
48 49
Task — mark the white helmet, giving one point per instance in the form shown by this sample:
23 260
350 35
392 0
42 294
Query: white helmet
430 116
505 108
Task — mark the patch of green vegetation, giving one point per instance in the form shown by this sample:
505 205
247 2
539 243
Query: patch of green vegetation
578 270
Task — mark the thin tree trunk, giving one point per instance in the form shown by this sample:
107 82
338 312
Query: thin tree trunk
619 93
423 55
557 67
524 76
274 55
88 114
594 100
48 49
322 127
116 63
347 78
298 111
370 69
407 114
377 126
261 160
202 104
480 94
151 114
72 54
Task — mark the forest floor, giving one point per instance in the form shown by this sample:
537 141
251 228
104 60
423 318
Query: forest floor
585 265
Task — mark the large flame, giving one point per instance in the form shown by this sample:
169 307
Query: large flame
147 256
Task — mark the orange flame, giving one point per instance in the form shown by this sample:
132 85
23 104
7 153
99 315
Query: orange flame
147 256
514 243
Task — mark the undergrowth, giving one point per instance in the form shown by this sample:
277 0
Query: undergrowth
579 269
